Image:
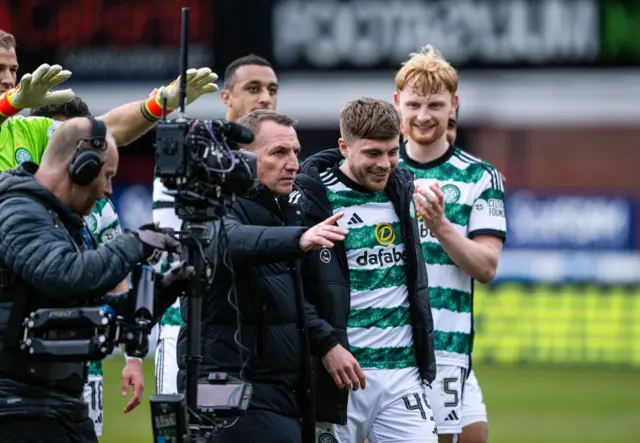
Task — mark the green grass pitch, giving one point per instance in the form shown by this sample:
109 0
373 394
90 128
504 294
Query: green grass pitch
526 405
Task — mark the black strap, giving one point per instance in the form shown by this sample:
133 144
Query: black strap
162 205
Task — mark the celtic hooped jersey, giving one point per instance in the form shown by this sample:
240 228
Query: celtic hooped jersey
379 325
164 213
474 204
104 224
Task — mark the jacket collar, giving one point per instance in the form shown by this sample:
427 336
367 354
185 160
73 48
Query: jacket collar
21 180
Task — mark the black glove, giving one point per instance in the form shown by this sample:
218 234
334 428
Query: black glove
179 273
173 284
155 241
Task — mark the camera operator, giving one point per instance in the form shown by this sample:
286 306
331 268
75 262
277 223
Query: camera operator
48 260
104 225
264 240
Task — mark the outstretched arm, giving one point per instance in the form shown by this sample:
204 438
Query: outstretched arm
132 120
41 255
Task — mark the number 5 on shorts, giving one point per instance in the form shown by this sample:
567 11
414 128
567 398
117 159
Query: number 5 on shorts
451 388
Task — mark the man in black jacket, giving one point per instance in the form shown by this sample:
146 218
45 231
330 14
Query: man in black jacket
48 260
264 240
371 289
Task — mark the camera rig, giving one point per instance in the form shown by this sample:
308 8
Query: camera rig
92 333
199 164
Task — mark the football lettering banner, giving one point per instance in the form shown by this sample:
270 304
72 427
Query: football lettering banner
103 40
353 35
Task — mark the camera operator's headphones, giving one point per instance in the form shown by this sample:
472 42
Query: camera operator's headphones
86 163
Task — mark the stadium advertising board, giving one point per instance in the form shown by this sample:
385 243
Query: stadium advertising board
355 35
561 222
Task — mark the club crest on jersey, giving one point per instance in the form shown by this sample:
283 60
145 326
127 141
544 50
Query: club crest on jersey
92 223
451 193
107 235
22 155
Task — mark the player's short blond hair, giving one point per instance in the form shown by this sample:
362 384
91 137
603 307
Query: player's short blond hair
7 41
427 72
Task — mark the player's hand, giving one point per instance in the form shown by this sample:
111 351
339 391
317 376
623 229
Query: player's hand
34 89
199 82
344 369
430 205
132 376
323 234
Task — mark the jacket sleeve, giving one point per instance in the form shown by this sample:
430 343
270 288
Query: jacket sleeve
40 254
321 333
257 245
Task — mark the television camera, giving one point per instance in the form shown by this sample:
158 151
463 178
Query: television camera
199 164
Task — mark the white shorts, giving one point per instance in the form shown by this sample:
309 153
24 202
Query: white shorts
166 360
474 410
93 398
445 397
392 408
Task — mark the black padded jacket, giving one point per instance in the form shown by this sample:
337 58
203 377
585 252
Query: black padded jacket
46 263
326 281
263 235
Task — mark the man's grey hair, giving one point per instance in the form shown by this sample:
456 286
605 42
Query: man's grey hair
253 119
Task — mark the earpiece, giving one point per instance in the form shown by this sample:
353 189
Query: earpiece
86 163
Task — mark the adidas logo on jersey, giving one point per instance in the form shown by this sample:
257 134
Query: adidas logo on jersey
355 219
382 258
452 416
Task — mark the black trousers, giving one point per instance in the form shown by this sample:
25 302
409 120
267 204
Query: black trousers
19 429
262 426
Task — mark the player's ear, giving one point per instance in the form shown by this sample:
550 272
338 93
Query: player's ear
343 147
225 94
396 100
454 102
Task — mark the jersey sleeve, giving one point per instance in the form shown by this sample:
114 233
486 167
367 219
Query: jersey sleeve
40 130
107 223
488 212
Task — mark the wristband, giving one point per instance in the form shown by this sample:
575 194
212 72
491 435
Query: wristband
127 358
7 109
151 109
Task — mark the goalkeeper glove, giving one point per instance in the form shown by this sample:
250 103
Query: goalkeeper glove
199 82
34 90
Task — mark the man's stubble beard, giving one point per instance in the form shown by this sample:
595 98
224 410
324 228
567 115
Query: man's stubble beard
440 131
363 174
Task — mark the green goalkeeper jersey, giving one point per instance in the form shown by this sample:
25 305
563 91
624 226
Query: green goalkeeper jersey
24 139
